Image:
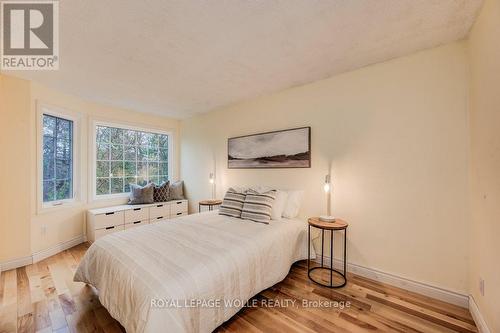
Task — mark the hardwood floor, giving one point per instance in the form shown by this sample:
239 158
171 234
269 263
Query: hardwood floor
43 298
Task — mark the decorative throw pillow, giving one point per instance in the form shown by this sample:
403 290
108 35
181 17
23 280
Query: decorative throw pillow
161 192
141 195
258 206
232 204
176 191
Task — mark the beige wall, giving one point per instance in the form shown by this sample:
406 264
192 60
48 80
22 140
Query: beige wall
396 135
15 164
484 54
25 233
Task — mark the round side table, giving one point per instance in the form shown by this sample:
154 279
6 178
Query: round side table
209 203
338 225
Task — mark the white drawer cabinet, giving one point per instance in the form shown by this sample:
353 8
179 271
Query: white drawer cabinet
105 221
178 206
106 231
158 219
135 224
136 214
159 210
108 219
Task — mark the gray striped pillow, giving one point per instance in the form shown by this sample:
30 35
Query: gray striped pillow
258 206
232 205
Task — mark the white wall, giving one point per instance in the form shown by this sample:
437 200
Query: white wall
484 52
396 136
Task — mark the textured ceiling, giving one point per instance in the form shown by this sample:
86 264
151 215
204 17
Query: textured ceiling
179 58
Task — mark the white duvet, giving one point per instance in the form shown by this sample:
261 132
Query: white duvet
192 273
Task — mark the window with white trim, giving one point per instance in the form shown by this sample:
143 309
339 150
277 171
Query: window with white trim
127 156
57 159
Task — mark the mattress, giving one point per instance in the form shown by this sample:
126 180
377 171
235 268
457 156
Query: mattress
192 273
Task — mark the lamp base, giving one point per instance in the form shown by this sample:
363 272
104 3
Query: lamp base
327 218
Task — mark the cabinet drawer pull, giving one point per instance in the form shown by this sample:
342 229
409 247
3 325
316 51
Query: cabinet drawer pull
136 209
109 228
179 213
110 213
159 218
159 206
179 202
137 222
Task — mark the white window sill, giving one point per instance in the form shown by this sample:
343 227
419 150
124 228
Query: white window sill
109 197
57 206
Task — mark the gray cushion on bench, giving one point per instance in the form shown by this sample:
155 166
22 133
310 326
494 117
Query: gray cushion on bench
141 195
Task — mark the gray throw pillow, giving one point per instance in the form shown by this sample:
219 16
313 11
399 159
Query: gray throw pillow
258 206
141 195
232 205
176 190
161 193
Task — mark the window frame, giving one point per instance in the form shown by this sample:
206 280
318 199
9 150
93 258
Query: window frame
51 110
93 144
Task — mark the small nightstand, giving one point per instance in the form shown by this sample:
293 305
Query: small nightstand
210 203
338 225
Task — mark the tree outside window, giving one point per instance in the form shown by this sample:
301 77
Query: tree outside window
125 157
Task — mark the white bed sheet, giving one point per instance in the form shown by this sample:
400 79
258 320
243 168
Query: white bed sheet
201 257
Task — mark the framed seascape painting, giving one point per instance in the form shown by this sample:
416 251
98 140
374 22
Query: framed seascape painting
279 149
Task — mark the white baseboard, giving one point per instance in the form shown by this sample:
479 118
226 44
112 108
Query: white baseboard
404 283
40 255
15 263
477 316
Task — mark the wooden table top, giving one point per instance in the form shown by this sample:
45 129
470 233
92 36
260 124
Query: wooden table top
210 202
339 224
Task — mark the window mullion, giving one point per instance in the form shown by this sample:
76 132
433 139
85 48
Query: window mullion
109 164
136 157
123 163
71 175
54 197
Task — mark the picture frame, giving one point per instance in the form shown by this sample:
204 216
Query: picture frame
289 148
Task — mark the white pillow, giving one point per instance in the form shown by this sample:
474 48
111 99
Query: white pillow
293 204
279 204
261 188
238 189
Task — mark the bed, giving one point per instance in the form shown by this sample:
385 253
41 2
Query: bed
192 273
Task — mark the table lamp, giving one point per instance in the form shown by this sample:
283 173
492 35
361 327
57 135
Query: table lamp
328 188
211 180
